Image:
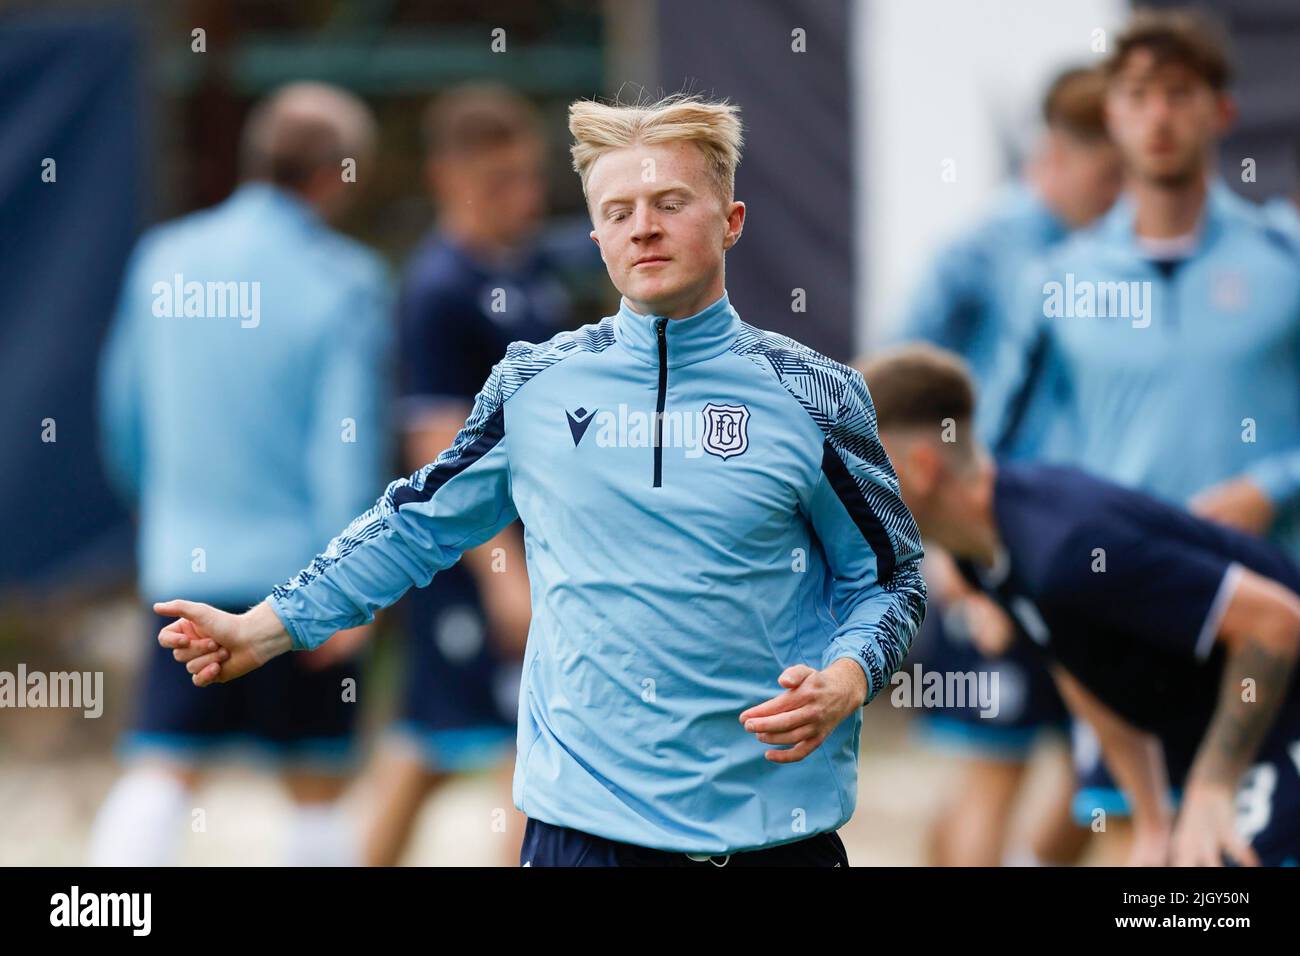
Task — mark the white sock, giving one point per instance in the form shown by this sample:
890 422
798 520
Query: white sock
141 821
321 834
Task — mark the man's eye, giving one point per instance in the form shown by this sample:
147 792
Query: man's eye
618 216
671 206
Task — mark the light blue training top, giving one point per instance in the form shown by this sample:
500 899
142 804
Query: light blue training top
679 563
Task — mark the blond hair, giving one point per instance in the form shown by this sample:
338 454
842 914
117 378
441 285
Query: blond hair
713 126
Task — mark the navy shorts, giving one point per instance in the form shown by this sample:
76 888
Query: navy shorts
283 710
546 844
1268 804
461 696
1028 702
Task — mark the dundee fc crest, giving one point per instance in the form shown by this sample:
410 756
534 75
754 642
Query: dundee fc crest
726 431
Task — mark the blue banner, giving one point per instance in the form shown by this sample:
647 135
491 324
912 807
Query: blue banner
70 202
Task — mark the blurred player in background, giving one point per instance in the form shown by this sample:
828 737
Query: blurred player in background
962 303
1166 341
244 420
476 284
1176 638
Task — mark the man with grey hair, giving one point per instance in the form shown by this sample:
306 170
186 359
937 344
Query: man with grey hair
304 138
241 415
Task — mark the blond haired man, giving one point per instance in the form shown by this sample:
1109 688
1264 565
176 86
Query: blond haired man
722 569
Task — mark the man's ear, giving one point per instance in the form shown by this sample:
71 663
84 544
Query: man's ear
735 225
926 465
1225 113
1108 117
596 239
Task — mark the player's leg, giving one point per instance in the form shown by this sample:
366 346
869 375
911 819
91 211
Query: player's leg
304 717
972 828
1052 837
320 831
1099 806
173 731
456 715
142 819
989 753
1055 838
418 760
515 821
401 781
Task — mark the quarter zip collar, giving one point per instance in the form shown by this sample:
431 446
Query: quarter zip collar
692 339
1221 205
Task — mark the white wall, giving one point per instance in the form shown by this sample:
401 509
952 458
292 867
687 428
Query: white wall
944 80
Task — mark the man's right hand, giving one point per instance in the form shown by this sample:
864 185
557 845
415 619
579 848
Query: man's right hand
216 646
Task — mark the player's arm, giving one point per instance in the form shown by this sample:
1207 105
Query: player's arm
1027 376
946 303
966 609
419 526
503 583
1261 631
1163 587
437 332
873 552
1136 759
1248 502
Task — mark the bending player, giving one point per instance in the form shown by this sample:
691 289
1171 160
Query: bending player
1214 310
962 303
1174 637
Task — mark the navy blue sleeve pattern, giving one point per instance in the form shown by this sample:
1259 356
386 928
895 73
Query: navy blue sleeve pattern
872 544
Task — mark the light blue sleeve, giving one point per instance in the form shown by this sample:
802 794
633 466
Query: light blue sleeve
120 402
945 305
420 525
350 439
872 545
1023 402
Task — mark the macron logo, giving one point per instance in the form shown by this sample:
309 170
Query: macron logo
578 422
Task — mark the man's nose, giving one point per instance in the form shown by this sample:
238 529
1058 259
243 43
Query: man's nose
1161 108
645 224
